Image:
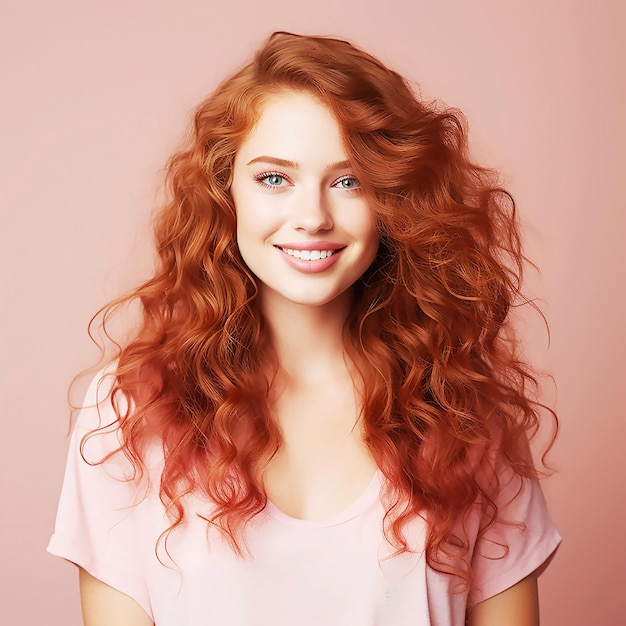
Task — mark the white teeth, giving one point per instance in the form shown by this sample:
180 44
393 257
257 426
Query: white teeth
308 255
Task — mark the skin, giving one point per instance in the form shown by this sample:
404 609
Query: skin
104 606
517 606
323 465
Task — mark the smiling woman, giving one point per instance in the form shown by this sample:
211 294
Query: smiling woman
323 418
305 230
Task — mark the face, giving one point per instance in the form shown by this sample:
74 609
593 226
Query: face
303 225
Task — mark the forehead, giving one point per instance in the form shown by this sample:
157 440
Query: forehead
294 125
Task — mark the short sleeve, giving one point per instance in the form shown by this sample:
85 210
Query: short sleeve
95 525
523 539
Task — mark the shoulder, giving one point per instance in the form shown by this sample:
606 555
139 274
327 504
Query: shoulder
100 518
515 534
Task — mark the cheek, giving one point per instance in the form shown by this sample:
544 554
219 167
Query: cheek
255 226
368 231
371 240
245 210
256 222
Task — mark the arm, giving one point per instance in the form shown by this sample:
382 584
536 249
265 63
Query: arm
104 606
516 606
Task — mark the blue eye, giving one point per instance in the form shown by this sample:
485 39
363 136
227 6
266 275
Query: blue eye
347 182
271 179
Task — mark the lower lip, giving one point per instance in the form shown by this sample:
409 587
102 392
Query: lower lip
310 267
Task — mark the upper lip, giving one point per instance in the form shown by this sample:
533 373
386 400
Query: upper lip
311 245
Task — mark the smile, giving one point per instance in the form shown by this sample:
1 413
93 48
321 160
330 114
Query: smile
309 255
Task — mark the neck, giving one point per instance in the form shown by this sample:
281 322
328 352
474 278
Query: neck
308 340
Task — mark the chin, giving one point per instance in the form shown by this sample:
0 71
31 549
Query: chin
306 297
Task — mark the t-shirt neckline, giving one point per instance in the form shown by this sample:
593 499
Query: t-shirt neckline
363 502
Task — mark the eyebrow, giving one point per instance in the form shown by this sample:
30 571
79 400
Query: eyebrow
340 165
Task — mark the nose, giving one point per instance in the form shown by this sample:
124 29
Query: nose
311 212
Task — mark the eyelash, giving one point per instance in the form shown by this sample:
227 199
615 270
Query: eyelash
260 178
348 177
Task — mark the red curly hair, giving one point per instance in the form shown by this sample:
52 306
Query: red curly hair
429 332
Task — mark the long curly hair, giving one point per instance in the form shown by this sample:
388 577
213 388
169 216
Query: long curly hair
429 333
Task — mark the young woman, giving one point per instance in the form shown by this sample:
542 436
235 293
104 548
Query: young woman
323 418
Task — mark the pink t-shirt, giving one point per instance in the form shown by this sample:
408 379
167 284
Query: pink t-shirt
310 573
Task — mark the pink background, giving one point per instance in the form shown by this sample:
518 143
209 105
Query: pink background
95 97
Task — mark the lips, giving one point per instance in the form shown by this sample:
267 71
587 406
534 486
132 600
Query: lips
310 257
